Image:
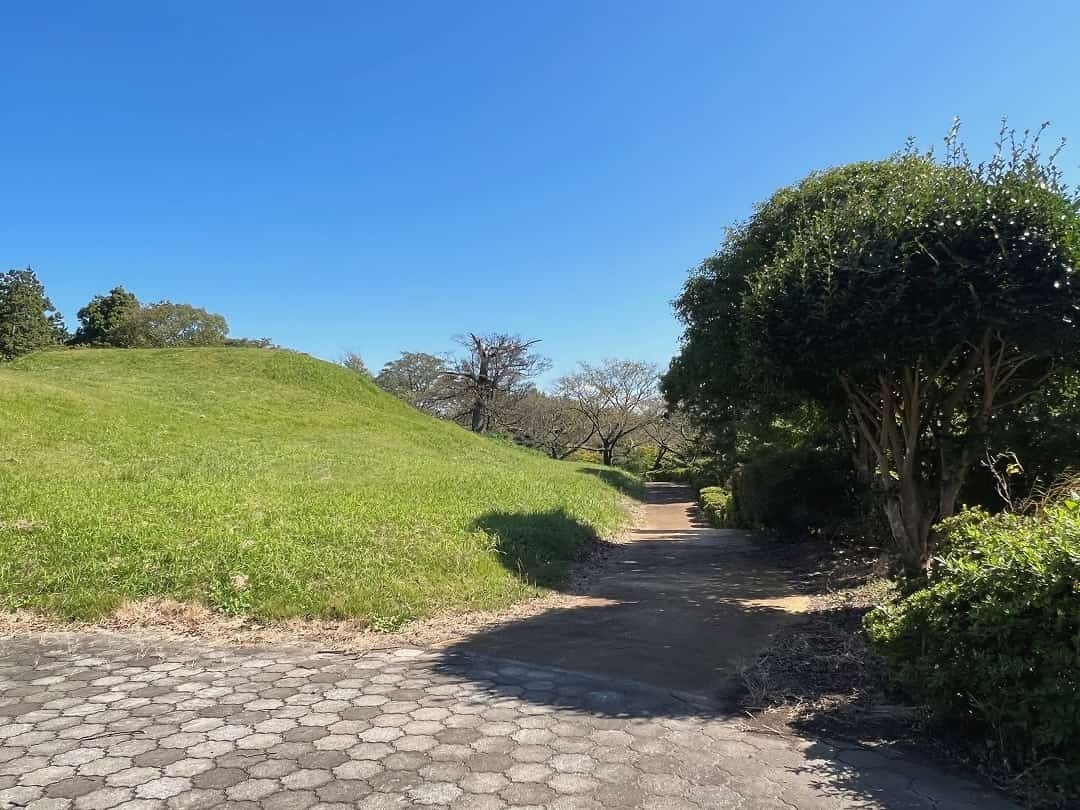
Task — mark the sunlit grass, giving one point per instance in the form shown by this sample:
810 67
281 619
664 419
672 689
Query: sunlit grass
261 482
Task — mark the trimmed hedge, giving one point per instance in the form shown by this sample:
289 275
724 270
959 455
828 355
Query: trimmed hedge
700 474
795 491
717 506
992 643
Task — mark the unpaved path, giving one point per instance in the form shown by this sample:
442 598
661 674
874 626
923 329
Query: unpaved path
678 607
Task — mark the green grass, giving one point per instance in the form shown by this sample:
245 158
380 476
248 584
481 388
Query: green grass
135 473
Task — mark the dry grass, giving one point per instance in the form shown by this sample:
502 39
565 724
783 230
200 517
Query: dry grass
163 618
819 673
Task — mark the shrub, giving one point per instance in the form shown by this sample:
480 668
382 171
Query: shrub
992 642
794 491
680 474
716 504
638 459
700 474
585 456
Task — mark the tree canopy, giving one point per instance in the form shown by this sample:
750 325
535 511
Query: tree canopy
99 319
913 298
417 378
168 325
28 319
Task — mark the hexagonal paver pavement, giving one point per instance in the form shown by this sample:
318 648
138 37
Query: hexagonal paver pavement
96 721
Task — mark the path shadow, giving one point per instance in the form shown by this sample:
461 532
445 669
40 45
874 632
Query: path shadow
678 609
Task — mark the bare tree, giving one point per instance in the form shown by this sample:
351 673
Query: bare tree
615 397
551 424
492 374
355 363
673 434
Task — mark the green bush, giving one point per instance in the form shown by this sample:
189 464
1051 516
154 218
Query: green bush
680 474
795 491
716 504
586 456
992 643
700 474
638 460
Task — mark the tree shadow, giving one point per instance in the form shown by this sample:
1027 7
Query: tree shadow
676 608
538 546
662 630
628 484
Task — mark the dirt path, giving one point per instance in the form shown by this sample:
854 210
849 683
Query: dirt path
679 607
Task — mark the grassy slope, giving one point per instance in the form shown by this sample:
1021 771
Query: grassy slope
129 473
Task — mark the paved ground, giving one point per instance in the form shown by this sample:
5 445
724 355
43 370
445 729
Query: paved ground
93 722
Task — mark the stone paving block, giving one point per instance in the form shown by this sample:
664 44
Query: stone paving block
96 722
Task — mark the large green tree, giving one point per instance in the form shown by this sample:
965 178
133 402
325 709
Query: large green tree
167 325
28 319
917 299
99 320
419 379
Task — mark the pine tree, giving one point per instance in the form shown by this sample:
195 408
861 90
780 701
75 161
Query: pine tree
28 319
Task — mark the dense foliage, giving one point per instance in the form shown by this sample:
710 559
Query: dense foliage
166 325
28 319
100 319
992 643
794 492
717 506
912 300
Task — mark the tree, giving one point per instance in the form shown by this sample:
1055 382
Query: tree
250 343
354 363
913 298
104 313
418 379
550 424
491 375
28 319
673 434
168 325
614 397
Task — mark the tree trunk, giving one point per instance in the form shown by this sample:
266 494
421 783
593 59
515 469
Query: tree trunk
660 453
910 521
607 452
479 409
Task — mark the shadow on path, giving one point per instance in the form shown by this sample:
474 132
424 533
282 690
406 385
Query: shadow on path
655 638
678 608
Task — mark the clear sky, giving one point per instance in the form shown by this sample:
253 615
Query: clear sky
383 176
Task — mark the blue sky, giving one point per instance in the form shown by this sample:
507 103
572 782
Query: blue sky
382 176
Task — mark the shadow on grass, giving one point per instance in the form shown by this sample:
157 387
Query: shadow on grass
621 480
538 547
676 608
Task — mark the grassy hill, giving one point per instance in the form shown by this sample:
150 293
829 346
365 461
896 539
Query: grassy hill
269 483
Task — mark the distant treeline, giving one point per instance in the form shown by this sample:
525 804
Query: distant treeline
30 322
